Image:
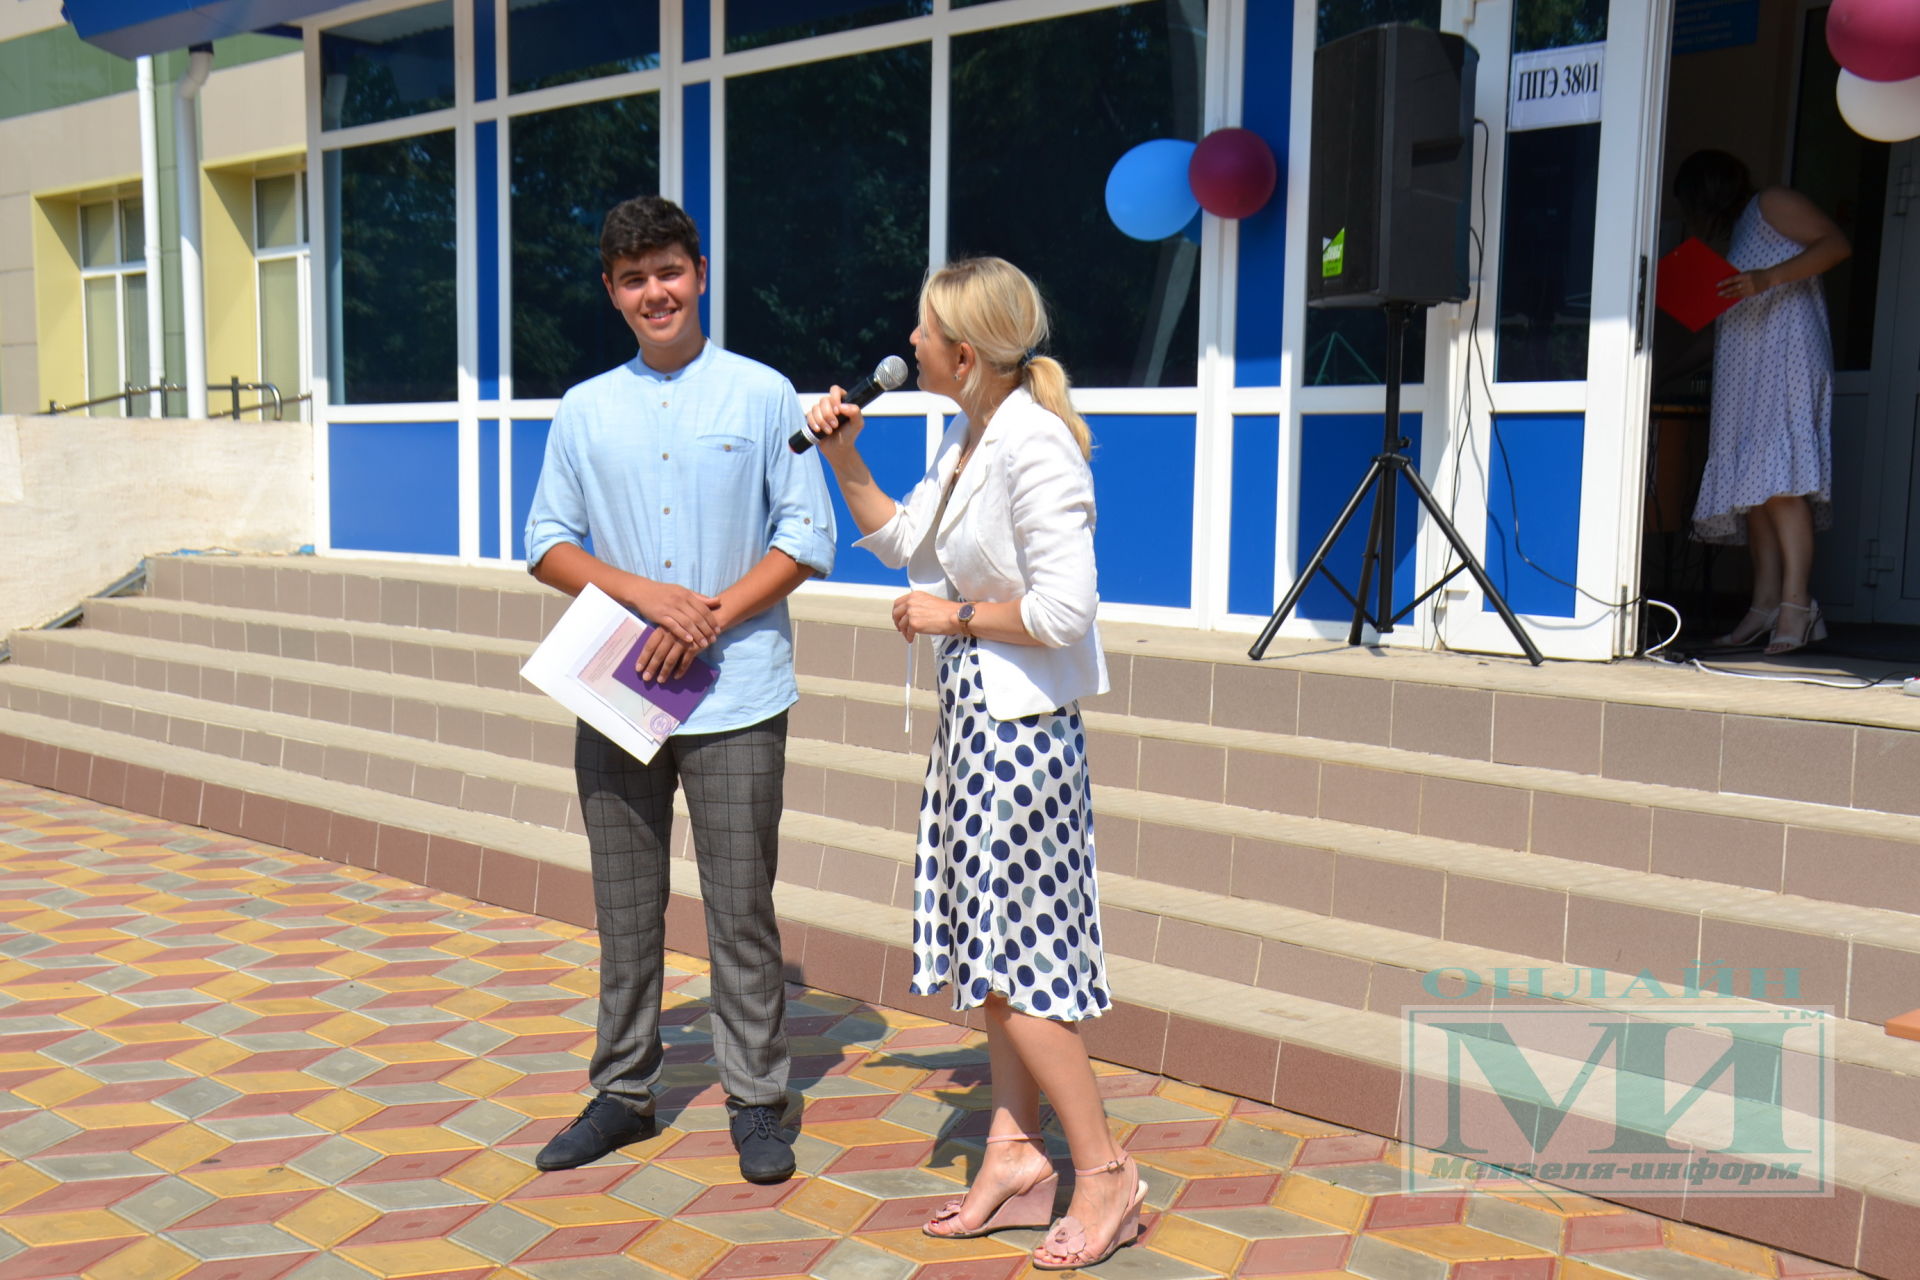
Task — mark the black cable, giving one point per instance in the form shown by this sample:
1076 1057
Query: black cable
1477 359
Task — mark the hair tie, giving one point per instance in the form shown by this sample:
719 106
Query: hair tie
1028 357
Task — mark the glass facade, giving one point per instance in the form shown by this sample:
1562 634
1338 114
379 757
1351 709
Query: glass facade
397 64
1125 311
390 271
568 168
821 288
753 23
553 42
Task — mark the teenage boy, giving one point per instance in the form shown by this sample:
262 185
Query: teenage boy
702 521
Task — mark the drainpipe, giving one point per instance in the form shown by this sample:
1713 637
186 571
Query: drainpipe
186 148
150 237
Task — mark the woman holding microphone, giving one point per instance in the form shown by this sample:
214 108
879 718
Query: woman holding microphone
997 540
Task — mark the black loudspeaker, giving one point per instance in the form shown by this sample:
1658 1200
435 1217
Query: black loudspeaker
1391 168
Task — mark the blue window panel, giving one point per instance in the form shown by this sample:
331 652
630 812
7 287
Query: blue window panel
1143 487
490 488
395 486
1250 545
528 453
696 25
696 162
896 453
486 183
1536 456
1259 315
1335 450
484 51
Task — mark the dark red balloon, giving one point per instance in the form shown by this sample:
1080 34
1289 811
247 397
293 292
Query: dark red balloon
1875 39
1232 173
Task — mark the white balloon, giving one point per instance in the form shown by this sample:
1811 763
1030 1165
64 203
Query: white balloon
1886 111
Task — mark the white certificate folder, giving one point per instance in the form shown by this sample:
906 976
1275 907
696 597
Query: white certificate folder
586 665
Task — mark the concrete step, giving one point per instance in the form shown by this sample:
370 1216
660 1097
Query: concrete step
521 725
451 656
1815 850
869 856
1819 851
1860 961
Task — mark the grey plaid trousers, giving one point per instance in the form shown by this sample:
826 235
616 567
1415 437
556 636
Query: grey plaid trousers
733 782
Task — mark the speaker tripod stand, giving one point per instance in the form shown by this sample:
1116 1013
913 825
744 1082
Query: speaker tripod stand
1389 465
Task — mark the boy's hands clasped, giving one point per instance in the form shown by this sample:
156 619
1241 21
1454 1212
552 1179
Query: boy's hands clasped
685 622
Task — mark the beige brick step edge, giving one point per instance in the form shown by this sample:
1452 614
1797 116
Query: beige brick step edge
1813 839
1485 773
147 662
1133 750
1339 1064
477 780
243 630
415 593
1198 930
489 783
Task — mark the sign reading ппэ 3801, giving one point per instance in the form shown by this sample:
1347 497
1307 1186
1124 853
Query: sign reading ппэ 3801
1709 1097
1552 87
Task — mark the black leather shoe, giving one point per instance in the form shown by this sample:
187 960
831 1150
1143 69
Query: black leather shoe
766 1150
606 1125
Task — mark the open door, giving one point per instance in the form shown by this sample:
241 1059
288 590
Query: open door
1549 399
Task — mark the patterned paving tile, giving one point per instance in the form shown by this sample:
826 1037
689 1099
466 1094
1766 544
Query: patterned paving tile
223 1061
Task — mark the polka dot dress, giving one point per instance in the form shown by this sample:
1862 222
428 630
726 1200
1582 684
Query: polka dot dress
1004 899
1772 394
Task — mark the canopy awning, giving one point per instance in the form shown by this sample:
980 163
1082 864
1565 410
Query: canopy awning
133 28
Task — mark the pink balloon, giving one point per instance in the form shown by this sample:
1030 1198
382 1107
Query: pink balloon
1876 39
1232 173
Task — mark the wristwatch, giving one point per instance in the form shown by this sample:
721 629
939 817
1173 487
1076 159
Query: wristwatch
966 618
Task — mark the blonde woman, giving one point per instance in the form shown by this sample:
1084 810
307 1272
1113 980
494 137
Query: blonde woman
997 540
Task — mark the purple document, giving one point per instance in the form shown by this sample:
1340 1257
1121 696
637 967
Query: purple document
678 697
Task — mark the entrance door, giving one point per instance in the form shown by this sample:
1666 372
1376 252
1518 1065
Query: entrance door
1892 548
1552 387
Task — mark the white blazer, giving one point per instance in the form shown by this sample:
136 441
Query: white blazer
1019 526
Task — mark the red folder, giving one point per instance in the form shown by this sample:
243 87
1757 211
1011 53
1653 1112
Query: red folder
1688 284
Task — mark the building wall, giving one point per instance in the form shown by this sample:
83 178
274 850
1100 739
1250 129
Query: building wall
70 132
82 500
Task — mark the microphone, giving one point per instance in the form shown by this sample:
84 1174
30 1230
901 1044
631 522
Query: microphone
886 376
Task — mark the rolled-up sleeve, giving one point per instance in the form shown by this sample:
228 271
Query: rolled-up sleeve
559 510
799 510
1053 516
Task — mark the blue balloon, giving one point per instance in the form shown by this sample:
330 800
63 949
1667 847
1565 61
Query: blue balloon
1148 196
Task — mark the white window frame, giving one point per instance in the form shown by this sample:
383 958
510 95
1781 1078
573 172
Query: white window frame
301 254
1210 402
119 271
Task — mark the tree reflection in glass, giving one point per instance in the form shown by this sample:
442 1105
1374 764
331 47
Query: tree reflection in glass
827 212
568 168
1041 112
390 271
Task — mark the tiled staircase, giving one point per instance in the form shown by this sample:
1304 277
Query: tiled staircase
1288 849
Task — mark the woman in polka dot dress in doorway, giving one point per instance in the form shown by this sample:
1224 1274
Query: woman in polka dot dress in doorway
1769 476
997 540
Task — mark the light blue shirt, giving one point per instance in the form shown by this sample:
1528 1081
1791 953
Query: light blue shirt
686 478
